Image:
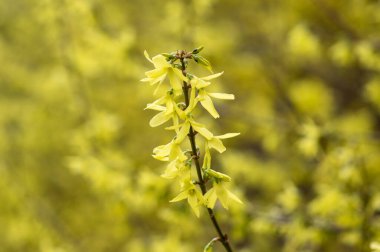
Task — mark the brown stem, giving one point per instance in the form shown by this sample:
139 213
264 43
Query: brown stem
223 238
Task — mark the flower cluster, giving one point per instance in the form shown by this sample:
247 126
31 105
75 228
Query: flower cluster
184 92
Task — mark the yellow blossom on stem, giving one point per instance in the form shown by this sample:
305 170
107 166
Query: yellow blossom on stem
192 90
206 101
193 195
217 144
219 191
163 69
203 82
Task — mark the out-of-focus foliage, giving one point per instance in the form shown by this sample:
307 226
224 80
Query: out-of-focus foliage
75 167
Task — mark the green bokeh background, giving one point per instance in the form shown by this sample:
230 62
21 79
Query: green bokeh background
76 172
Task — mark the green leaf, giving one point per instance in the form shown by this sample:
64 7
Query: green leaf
168 56
202 61
218 175
208 247
197 50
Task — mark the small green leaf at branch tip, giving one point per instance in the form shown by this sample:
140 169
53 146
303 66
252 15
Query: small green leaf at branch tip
204 62
168 56
208 247
197 50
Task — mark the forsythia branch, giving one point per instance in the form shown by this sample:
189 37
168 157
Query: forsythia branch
173 66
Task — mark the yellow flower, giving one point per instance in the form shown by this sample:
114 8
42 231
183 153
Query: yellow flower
203 82
217 144
201 129
206 102
205 97
167 152
162 69
181 135
193 195
218 191
177 168
166 112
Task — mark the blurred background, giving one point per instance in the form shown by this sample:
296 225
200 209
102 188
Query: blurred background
76 172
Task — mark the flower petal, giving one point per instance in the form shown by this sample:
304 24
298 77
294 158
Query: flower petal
181 196
157 88
174 127
213 76
221 192
207 157
203 131
175 122
194 123
174 151
234 197
161 158
179 112
163 150
156 73
206 102
169 106
193 202
222 96
175 82
171 170
147 56
199 83
160 62
228 135
217 144
179 74
210 198
146 80
192 103
183 133
159 119
153 106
